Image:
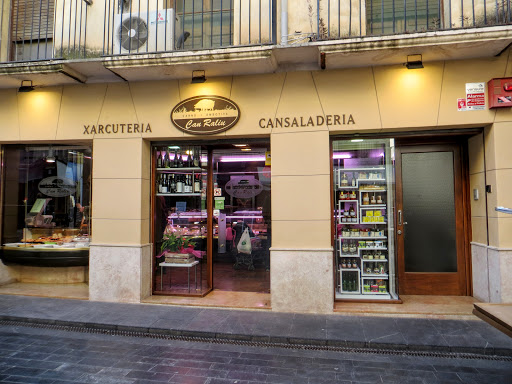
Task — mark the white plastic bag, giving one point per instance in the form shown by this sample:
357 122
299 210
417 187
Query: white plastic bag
244 245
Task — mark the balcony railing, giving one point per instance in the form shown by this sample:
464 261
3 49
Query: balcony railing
336 19
32 30
69 29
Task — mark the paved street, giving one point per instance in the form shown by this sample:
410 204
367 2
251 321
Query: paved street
36 355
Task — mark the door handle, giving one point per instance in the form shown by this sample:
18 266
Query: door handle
399 217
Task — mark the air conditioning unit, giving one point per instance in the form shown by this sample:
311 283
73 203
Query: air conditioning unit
151 31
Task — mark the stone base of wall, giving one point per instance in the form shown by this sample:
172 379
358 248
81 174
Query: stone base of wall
301 280
44 275
120 273
492 268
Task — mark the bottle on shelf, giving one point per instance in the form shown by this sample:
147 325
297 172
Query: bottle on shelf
352 211
175 159
197 183
344 248
164 184
166 163
196 157
159 183
190 159
366 198
352 248
344 180
353 182
179 184
172 184
159 159
187 185
180 160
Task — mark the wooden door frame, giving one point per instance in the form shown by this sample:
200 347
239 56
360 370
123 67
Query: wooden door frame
462 212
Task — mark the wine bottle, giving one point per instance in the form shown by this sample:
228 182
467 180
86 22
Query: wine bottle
172 184
197 184
175 160
164 184
159 159
159 184
196 158
180 161
187 188
190 159
179 184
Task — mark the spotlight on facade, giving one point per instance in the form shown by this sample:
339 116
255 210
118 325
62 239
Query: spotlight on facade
414 62
25 87
198 77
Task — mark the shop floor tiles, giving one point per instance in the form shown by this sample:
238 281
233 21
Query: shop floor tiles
78 291
448 307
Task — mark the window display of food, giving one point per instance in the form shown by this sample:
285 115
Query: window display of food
47 198
363 209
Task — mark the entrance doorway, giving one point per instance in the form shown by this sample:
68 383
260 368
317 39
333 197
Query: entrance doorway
208 201
431 223
241 211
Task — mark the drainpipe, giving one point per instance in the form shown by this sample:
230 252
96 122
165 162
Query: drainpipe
284 22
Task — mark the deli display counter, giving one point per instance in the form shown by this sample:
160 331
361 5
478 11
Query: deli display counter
46 200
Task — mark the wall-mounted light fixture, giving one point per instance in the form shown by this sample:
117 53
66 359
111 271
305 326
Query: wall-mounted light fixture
414 62
198 76
26 86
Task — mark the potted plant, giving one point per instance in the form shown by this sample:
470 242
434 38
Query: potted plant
176 248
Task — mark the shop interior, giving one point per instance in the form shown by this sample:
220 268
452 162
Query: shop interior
212 218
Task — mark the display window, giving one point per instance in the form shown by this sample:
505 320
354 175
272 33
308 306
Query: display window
46 200
363 188
212 225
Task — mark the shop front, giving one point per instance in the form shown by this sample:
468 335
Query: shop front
309 187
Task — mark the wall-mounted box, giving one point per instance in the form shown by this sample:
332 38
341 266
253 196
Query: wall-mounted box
500 92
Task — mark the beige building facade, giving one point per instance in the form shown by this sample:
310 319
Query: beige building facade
372 96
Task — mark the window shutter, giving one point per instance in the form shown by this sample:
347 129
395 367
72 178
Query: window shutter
32 19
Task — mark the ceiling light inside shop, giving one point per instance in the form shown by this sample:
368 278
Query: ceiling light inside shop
240 145
246 149
235 159
356 140
51 157
341 155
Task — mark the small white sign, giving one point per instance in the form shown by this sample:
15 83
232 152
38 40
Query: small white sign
475 96
217 191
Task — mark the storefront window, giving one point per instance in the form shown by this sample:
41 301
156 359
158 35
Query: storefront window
364 217
219 241
180 219
46 217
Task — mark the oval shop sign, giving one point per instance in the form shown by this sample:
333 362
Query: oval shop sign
205 115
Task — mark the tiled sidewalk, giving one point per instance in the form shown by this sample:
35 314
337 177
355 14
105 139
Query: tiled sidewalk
465 336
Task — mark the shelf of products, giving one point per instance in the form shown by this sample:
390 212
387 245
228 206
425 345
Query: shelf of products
362 208
179 172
